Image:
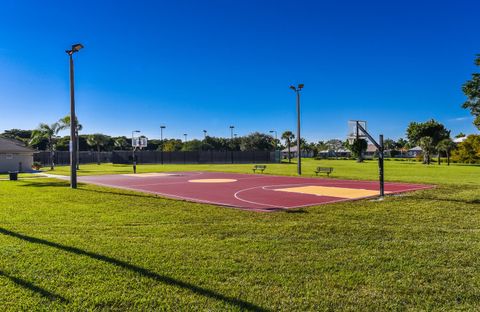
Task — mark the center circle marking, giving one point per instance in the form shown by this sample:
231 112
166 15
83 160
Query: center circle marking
212 181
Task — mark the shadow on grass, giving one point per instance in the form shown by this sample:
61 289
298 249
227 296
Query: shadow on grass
45 184
42 292
463 201
120 193
139 270
296 211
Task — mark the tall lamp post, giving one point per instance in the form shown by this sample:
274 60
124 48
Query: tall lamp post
231 140
185 135
73 124
134 147
204 134
161 142
276 144
299 151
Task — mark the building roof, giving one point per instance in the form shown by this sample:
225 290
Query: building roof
416 148
460 139
371 148
13 146
293 149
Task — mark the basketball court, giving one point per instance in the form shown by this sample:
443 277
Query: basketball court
254 192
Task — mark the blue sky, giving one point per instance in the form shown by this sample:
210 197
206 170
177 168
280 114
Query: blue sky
195 65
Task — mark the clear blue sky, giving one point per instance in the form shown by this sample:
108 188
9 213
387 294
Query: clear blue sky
195 65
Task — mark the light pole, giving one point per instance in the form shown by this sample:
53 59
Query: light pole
185 137
73 124
231 140
134 147
205 134
77 136
276 144
299 152
161 142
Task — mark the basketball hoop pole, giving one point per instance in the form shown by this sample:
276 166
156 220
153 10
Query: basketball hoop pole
134 147
381 151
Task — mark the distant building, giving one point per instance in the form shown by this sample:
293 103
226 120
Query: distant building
371 151
460 139
15 156
331 153
414 152
293 153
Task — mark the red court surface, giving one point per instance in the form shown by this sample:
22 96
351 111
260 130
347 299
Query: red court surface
255 192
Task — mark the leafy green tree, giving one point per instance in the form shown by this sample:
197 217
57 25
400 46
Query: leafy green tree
446 146
288 137
121 143
460 135
48 133
172 145
65 123
426 143
192 145
431 128
17 134
257 142
218 144
468 151
358 148
98 140
389 144
471 89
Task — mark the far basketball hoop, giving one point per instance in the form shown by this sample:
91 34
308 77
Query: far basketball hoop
139 143
356 130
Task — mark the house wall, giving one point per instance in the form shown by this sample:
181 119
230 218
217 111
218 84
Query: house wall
11 162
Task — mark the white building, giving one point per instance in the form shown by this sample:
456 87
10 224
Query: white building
414 152
460 139
293 153
15 156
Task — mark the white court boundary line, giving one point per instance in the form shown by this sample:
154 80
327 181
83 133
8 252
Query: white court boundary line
264 187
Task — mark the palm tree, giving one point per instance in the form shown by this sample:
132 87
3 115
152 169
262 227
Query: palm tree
65 124
98 140
446 145
288 136
50 133
120 143
426 143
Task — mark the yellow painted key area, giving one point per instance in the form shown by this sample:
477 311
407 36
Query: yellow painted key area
341 192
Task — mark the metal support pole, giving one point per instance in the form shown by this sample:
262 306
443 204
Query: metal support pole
380 167
299 151
161 142
78 148
133 154
231 140
73 128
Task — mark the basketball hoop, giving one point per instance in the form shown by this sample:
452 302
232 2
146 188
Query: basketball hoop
140 142
355 132
357 129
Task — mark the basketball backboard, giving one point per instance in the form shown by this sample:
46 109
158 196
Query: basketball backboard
139 142
355 130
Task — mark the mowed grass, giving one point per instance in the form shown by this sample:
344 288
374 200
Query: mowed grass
98 248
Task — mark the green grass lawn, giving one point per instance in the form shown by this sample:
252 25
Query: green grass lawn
97 248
